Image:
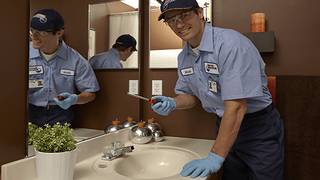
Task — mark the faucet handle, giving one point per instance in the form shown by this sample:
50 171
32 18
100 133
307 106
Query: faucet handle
109 149
158 136
117 144
111 154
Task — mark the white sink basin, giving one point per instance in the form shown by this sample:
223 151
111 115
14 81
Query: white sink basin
157 163
151 163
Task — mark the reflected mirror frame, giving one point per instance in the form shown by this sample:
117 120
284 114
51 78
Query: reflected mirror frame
127 11
164 55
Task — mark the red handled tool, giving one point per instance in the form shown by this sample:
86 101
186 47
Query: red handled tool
60 98
149 100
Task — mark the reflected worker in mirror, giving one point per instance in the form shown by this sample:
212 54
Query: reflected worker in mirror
56 72
121 50
224 70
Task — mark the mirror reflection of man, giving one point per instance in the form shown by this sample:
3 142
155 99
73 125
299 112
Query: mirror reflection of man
121 50
56 72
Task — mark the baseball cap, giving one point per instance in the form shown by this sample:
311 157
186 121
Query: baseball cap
168 5
127 40
47 20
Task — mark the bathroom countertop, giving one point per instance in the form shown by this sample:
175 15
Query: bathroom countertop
90 151
81 134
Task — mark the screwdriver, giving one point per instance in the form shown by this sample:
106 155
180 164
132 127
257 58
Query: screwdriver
149 100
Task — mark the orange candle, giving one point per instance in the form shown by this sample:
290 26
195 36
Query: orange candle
258 21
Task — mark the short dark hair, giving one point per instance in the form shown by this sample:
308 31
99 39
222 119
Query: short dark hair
120 47
125 41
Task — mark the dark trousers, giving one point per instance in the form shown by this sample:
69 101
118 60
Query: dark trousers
49 115
258 152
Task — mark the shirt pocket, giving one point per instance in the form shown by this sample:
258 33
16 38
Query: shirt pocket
64 83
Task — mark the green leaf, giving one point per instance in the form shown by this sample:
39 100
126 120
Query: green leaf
56 138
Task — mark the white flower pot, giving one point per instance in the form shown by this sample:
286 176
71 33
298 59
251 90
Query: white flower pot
56 166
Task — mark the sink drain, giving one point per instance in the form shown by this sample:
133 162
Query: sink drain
102 165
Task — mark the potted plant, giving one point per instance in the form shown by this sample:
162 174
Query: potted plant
55 149
31 129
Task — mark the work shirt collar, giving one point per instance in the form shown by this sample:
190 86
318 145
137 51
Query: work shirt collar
61 52
206 43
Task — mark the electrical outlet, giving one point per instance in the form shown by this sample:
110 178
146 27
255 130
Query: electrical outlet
133 86
156 87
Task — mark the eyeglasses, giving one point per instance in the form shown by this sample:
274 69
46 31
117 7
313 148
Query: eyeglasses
182 17
33 32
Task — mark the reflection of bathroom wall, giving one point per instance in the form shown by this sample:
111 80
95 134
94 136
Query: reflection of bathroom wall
167 61
92 43
165 45
161 36
125 23
99 21
111 101
75 14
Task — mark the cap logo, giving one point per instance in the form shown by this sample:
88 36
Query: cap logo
42 18
166 3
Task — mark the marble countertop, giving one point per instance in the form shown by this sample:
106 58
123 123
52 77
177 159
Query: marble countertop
91 150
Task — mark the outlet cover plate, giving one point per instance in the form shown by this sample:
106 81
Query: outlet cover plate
156 87
133 86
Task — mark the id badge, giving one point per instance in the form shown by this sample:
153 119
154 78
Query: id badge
34 70
211 68
37 83
187 71
67 72
213 87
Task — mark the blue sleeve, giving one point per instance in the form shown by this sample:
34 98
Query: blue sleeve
240 75
93 62
182 84
86 80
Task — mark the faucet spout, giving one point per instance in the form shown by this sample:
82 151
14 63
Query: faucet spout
117 152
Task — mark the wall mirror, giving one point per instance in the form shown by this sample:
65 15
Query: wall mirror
107 21
164 44
91 27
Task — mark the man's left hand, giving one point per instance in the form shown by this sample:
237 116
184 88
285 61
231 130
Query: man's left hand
203 167
69 100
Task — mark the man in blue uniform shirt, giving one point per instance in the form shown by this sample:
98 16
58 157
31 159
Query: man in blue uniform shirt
224 70
59 76
121 50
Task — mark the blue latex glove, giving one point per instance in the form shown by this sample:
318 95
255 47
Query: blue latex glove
164 105
70 99
203 167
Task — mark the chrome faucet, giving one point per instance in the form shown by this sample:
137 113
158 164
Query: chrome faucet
116 149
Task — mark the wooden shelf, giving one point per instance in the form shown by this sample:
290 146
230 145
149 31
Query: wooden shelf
264 41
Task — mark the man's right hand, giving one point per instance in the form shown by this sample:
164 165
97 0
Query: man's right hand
164 105
67 100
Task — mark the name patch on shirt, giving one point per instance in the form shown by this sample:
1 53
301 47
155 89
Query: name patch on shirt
35 70
211 68
67 72
213 86
36 83
187 71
